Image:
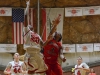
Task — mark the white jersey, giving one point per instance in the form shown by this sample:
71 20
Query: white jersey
82 65
15 68
31 38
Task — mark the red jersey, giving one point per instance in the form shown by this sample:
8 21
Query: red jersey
51 52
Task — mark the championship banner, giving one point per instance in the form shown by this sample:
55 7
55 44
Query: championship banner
91 10
68 48
51 14
5 11
11 48
73 12
96 46
84 47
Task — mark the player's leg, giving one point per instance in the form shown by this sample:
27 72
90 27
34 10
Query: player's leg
49 71
57 70
42 66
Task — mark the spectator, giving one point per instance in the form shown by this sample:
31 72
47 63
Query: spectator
92 72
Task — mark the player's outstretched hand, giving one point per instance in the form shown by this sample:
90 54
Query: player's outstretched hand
28 3
57 20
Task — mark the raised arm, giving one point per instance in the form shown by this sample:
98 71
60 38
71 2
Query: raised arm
55 23
27 27
27 13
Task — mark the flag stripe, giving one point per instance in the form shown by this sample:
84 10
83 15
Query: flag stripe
18 32
13 33
21 31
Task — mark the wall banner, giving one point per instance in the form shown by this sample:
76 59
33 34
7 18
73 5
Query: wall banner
68 48
11 48
84 47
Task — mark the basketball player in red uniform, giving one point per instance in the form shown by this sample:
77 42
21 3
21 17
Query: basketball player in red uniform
53 50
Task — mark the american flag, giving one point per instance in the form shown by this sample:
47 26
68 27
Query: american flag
18 20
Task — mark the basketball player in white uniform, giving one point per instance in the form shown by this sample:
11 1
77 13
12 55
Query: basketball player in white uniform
15 67
81 68
33 57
